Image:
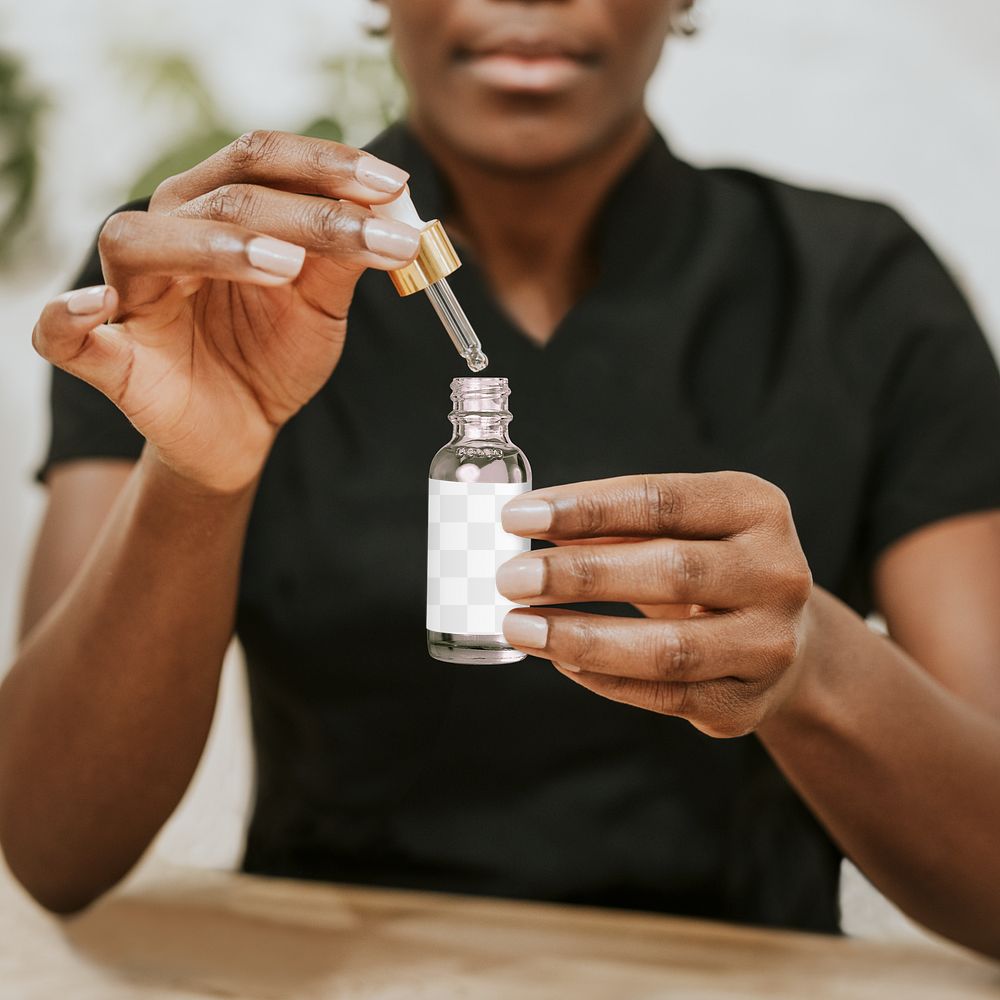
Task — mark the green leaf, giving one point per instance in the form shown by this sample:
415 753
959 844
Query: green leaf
325 128
189 152
170 74
366 93
22 108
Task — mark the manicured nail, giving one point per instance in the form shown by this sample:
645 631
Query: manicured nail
526 630
523 516
275 256
379 175
566 666
391 239
522 576
85 301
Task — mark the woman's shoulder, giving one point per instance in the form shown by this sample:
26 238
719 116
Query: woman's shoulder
863 278
859 258
832 226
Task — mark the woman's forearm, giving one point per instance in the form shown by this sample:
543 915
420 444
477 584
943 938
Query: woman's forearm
105 713
902 773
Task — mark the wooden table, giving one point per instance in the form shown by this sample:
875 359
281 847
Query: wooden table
192 934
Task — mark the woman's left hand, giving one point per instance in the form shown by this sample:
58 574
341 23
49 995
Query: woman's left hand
712 560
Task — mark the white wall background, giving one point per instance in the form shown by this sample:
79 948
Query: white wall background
898 99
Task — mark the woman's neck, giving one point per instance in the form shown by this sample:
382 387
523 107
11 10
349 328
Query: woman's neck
532 233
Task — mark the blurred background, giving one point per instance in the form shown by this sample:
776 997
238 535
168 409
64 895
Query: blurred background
896 100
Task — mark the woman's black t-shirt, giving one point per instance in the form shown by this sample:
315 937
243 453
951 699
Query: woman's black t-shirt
736 323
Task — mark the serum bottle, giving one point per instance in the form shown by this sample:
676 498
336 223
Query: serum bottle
470 480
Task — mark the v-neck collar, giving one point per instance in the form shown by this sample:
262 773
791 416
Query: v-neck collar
642 231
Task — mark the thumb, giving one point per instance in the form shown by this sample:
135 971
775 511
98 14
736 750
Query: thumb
72 333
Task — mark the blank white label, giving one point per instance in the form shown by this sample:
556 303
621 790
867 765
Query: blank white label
465 545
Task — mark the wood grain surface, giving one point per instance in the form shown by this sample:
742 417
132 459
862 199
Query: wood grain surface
180 933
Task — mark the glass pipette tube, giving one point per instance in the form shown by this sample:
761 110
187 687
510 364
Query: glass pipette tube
457 324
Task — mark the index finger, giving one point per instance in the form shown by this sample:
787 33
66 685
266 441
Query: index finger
288 162
678 505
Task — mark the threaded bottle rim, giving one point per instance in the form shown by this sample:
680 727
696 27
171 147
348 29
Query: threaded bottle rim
480 395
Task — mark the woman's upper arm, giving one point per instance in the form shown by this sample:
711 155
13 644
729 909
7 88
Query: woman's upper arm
939 591
81 494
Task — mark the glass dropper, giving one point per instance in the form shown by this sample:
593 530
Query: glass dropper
428 271
454 320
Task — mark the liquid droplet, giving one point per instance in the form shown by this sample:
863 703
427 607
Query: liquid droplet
476 360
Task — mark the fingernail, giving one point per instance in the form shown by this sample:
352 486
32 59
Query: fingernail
85 301
526 630
521 577
391 239
566 666
523 516
275 256
379 175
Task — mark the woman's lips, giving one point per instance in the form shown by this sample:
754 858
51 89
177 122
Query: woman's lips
525 72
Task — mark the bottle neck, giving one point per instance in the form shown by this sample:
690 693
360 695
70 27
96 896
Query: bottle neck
480 410
480 427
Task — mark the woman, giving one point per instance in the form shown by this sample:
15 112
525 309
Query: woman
710 746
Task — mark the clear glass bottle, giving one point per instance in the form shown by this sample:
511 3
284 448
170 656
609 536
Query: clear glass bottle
470 480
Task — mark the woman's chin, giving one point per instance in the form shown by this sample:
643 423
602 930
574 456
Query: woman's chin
519 143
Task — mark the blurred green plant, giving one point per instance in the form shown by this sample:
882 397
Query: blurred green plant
22 108
364 94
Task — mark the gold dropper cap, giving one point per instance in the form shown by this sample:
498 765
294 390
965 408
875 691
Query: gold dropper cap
435 259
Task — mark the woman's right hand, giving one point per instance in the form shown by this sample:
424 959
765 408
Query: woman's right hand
225 308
